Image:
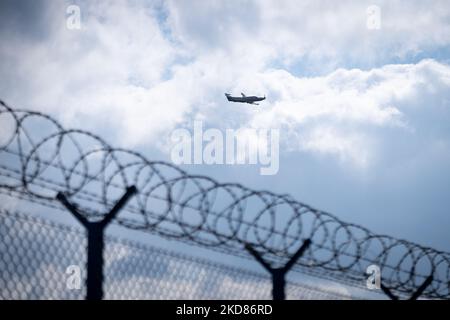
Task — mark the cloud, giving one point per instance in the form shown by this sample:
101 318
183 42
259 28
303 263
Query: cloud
348 112
319 35
100 71
136 71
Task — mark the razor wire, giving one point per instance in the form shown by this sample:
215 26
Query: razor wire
39 158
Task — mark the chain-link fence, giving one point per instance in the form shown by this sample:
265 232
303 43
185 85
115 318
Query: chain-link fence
40 259
34 256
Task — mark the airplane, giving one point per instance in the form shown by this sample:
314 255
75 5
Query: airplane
244 98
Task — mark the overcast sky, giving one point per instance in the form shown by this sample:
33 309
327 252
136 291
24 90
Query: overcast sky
363 114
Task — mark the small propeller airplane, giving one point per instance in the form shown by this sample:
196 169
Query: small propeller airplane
244 98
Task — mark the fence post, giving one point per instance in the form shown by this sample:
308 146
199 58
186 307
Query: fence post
95 230
279 274
415 295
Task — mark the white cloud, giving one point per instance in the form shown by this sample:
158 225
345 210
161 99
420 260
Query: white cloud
325 33
103 71
140 76
353 148
346 112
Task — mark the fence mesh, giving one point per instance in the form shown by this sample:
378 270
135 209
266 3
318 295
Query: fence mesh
36 255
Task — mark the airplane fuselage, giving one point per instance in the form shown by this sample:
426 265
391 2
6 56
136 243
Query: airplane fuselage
244 99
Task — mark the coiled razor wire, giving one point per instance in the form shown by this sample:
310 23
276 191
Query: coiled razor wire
39 158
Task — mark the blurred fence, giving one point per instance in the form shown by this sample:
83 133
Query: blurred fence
36 255
77 171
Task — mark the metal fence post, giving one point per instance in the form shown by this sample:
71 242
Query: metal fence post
95 230
415 295
279 274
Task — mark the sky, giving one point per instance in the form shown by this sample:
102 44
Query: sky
363 112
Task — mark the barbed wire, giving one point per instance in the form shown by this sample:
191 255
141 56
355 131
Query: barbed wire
40 158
